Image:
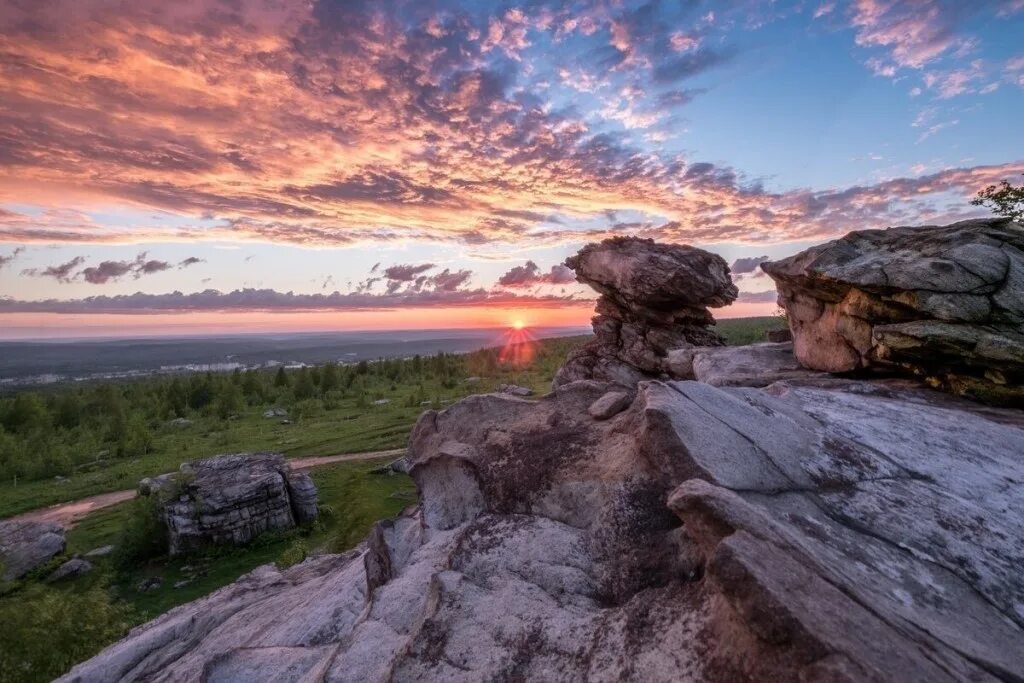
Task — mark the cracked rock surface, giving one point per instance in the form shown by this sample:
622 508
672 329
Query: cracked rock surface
232 499
654 298
818 529
941 302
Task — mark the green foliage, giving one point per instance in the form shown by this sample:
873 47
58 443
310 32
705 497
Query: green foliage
293 554
1003 199
329 378
304 386
742 331
46 629
143 535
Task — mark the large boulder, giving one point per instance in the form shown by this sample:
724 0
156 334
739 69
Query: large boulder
232 499
814 530
654 298
942 302
26 545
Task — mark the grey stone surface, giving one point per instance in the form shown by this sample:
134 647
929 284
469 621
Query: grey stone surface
101 551
231 499
942 302
756 365
71 569
654 299
816 530
25 545
514 390
610 404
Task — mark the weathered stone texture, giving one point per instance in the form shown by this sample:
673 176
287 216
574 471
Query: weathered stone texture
816 530
945 303
654 298
25 545
232 499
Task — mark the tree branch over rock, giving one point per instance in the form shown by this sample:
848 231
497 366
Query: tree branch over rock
1003 199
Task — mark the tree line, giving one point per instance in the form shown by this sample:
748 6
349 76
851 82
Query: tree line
54 431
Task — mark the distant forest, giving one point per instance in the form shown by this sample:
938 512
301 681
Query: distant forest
148 425
60 430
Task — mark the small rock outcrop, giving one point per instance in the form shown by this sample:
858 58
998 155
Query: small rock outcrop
71 569
514 390
654 298
26 545
944 303
231 499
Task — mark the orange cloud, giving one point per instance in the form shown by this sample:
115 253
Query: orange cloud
334 123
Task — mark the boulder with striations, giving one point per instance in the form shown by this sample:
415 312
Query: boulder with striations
654 298
231 499
945 303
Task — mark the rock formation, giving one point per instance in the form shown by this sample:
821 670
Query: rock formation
816 530
944 303
654 298
231 499
72 569
26 545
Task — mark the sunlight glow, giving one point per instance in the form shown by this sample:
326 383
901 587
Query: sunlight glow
518 347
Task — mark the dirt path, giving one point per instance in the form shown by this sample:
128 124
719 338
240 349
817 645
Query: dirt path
68 514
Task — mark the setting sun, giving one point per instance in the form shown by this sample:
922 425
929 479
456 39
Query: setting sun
518 324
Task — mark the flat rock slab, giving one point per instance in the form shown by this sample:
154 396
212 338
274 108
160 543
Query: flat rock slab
813 530
756 365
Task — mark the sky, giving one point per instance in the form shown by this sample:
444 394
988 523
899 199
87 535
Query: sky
255 165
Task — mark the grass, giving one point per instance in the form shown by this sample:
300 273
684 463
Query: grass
324 430
742 331
356 497
341 428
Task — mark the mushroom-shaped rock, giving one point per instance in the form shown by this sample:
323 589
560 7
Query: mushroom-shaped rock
639 274
654 299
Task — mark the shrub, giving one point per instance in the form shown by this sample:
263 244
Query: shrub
1003 199
47 630
144 536
293 554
